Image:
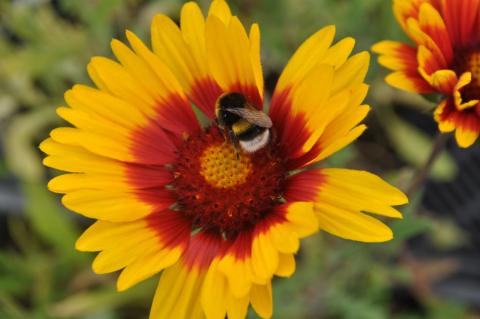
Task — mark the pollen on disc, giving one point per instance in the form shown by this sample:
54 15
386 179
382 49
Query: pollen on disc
221 167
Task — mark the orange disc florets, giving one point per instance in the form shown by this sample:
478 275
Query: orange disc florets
223 189
223 167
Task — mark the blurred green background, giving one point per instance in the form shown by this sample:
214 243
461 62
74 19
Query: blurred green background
44 48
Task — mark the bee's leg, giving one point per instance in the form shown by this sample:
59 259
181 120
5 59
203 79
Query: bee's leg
233 139
271 141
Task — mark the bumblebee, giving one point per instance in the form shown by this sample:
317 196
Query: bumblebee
245 125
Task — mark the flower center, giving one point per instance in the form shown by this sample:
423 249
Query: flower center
469 61
222 167
225 190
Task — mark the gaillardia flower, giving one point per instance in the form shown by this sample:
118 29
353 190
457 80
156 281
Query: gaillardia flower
171 195
444 59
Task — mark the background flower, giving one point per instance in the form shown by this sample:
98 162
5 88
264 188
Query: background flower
444 59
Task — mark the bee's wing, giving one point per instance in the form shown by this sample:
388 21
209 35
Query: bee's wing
252 116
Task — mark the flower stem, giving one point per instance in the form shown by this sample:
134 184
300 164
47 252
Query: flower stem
423 172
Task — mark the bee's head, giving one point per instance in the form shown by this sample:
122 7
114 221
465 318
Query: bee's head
229 101
232 100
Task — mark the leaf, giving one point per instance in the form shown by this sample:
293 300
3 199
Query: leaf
408 227
21 153
414 146
83 304
47 218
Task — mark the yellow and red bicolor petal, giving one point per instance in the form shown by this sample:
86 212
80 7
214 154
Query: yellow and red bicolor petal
432 23
340 132
300 112
102 155
410 81
230 58
406 9
342 196
105 138
208 64
153 90
143 247
461 19
305 58
255 256
445 123
180 286
427 64
444 81
197 292
103 188
422 38
228 275
116 128
396 55
466 123
402 59
184 51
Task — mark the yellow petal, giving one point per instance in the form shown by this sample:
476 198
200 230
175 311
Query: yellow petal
255 56
352 72
73 182
169 45
302 219
193 30
307 56
77 159
94 142
284 239
177 295
337 144
164 74
147 265
220 9
94 123
117 257
264 256
103 234
465 138
107 205
214 293
229 57
364 184
237 307
261 299
141 71
337 55
118 82
410 83
286 265
238 273
444 81
351 225
109 107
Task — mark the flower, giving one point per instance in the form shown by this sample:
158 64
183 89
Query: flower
171 195
444 59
